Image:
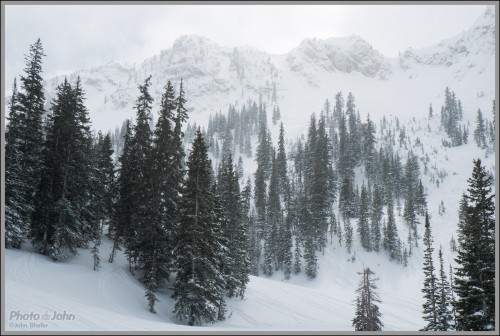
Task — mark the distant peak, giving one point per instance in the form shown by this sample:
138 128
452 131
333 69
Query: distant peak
191 40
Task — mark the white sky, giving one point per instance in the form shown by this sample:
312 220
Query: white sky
79 36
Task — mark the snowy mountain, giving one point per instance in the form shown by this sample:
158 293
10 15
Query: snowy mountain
215 77
332 55
396 89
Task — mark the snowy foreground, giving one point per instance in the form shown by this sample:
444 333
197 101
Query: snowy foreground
78 298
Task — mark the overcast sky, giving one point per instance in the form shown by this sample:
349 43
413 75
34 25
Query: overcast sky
79 36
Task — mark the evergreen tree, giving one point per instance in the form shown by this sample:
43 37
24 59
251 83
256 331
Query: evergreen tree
369 153
391 233
363 225
31 102
281 163
141 144
122 229
62 219
430 290
480 131
338 109
375 218
17 207
367 315
348 237
199 286
102 191
443 301
475 274
311 261
297 265
236 264
163 189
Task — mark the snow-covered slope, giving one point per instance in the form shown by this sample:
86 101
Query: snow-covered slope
214 77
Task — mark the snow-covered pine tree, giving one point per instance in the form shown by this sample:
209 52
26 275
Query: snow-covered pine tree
443 301
164 186
142 243
251 228
122 230
237 263
375 218
480 131
32 101
310 259
430 306
274 220
369 153
363 224
17 207
102 185
391 232
367 313
475 273
281 164
348 234
62 219
199 287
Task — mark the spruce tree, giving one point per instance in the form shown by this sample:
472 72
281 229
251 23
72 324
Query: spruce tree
375 218
17 207
443 301
62 219
122 230
140 155
236 263
367 314
391 234
475 274
363 225
199 286
430 307
32 102
281 163
155 238
480 131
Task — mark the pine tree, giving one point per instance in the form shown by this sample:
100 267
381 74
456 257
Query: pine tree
443 301
141 144
281 163
367 314
296 259
17 208
155 237
475 274
453 244
391 233
62 219
348 236
122 229
236 263
430 307
363 225
32 102
480 131
375 218
102 187
199 286
369 153
311 261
